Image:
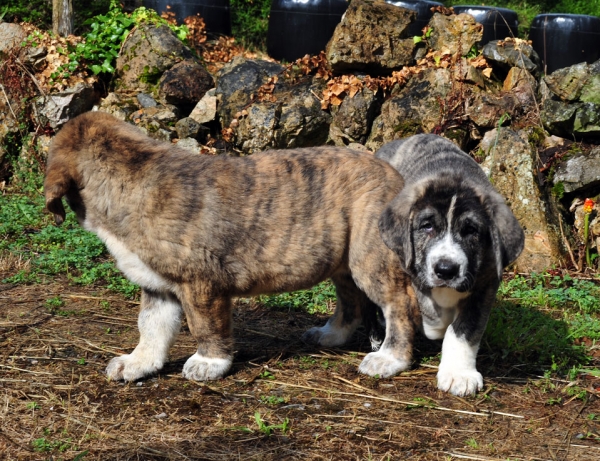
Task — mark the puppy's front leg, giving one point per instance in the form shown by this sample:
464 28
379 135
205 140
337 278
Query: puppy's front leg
159 322
395 354
209 320
457 372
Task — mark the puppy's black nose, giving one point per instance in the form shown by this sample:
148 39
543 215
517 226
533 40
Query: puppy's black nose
446 269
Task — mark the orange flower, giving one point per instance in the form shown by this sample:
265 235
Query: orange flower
588 205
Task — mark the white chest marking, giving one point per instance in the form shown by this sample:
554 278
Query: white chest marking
128 262
446 297
443 307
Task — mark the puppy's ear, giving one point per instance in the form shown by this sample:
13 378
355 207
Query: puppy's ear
56 186
508 237
394 228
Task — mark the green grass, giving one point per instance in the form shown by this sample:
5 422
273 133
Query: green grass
29 233
317 300
538 320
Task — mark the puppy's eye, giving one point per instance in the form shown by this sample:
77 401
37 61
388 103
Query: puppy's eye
469 229
426 226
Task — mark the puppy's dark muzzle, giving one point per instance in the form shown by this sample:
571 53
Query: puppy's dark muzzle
446 270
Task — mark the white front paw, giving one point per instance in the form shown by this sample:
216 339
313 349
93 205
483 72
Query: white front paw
382 363
131 367
199 368
459 382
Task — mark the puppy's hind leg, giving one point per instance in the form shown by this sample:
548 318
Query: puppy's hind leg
159 322
346 318
209 320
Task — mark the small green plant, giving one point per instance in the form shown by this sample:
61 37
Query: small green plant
558 190
44 445
306 362
268 429
272 399
54 302
81 361
33 406
266 375
554 401
472 443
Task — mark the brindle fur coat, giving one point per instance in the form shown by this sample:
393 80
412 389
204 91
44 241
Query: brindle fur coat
194 231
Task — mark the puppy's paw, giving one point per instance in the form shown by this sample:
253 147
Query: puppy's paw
459 382
382 363
129 367
199 368
325 336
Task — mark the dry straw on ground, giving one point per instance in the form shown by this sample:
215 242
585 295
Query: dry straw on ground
56 403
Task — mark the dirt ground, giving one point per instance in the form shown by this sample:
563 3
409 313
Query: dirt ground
56 403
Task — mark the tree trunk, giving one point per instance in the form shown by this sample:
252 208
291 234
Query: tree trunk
62 17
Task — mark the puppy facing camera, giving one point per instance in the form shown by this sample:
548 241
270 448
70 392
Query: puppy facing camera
454 235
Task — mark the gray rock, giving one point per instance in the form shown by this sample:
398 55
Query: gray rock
35 58
372 37
302 122
294 119
580 173
568 83
237 81
256 131
587 120
455 33
11 35
507 54
56 109
184 84
120 107
415 109
206 109
571 101
486 108
165 115
146 54
352 120
146 100
189 144
558 116
187 127
511 166
521 82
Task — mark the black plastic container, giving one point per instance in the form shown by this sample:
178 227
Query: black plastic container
424 13
562 40
299 27
498 23
216 13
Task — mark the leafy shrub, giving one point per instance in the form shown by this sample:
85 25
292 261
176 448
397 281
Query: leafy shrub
250 21
39 12
101 45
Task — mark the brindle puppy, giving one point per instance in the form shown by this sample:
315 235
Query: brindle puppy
194 231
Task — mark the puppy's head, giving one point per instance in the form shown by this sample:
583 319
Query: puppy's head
63 172
446 230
